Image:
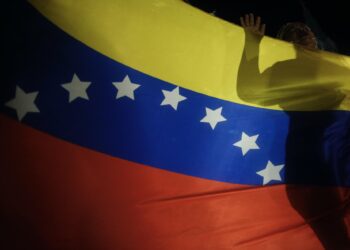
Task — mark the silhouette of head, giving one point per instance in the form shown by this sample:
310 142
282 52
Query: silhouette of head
298 33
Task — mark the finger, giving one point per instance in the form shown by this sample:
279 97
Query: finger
242 21
251 19
257 23
262 30
247 20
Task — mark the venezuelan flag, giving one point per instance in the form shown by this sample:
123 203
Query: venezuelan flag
152 125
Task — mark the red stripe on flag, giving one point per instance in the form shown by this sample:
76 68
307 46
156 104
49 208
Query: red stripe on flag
56 195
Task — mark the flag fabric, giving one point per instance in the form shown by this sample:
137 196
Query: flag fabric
152 125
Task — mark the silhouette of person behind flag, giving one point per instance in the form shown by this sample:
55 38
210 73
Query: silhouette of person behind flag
317 144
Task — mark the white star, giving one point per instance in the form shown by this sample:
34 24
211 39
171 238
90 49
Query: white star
76 88
271 173
172 98
213 117
247 143
23 103
126 88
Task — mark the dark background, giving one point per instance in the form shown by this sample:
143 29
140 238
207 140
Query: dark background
328 19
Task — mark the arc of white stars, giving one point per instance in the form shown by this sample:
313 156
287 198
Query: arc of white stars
247 143
126 88
23 103
213 117
172 98
76 88
271 173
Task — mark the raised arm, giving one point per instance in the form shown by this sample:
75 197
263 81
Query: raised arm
249 23
250 82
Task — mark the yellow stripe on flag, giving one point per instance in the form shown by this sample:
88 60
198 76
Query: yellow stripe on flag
175 42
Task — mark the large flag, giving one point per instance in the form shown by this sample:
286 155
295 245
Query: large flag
152 125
